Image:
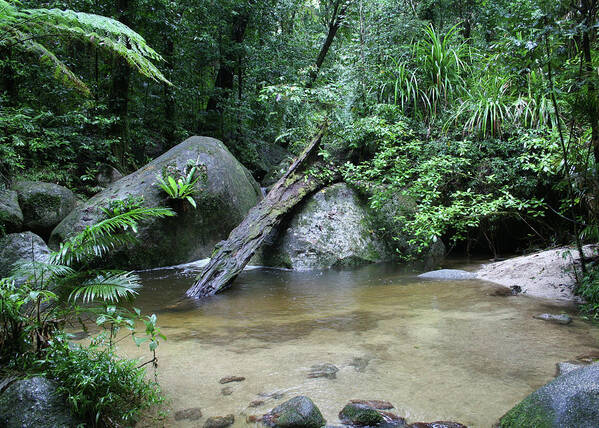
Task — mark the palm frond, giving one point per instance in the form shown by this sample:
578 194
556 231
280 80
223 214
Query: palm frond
109 286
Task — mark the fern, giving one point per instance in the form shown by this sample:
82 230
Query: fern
98 239
108 286
24 28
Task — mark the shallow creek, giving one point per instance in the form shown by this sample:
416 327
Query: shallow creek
436 350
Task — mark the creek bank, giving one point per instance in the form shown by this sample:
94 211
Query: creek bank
223 200
546 274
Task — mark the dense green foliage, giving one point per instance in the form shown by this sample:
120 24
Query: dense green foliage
41 297
484 113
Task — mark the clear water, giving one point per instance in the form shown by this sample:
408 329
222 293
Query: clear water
436 350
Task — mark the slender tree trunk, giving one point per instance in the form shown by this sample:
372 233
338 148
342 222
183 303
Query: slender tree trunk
119 94
8 77
337 17
169 97
225 76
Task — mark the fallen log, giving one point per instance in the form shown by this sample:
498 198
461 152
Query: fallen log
232 255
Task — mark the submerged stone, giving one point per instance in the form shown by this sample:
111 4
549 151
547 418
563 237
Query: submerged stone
436 424
448 275
326 370
219 421
192 414
299 412
369 413
555 318
229 379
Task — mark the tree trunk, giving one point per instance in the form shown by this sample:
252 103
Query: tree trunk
234 254
168 130
119 94
226 71
337 17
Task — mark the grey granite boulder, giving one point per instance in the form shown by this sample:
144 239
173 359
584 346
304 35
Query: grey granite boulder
44 205
24 246
223 200
570 400
34 403
448 275
11 216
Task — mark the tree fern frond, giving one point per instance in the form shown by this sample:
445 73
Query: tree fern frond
19 25
61 72
109 286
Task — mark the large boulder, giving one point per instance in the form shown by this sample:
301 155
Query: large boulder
299 412
11 216
570 400
34 403
223 200
44 205
333 228
24 246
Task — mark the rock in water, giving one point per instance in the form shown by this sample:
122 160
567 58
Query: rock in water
44 205
299 412
223 201
570 400
34 403
331 229
436 424
555 318
323 370
11 216
192 414
219 421
369 413
229 379
448 275
24 246
566 367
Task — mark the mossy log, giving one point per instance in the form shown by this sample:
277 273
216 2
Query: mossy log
231 256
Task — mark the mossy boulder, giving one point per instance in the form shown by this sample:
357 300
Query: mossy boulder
23 246
11 216
35 402
369 413
299 412
570 400
44 205
333 228
223 199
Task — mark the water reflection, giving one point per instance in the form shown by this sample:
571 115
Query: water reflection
436 350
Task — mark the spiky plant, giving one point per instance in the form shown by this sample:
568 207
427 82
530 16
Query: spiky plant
29 29
442 62
485 107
